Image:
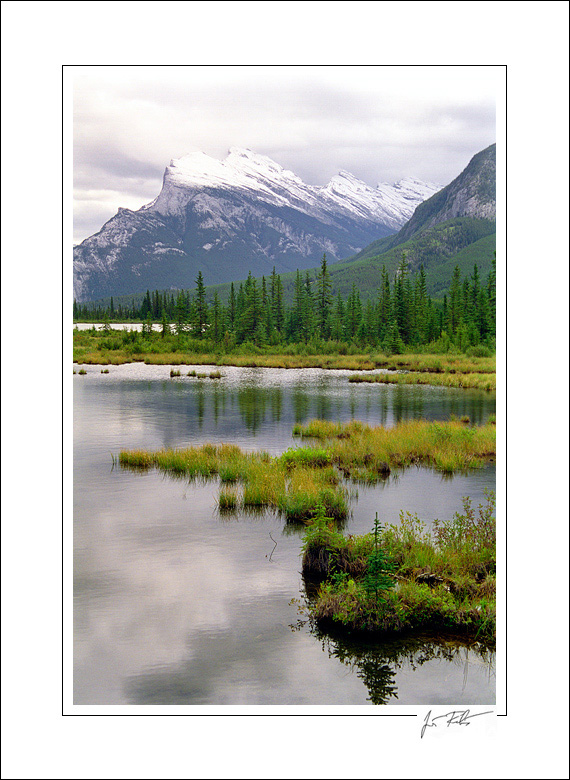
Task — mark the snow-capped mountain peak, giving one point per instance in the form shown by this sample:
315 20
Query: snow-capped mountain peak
242 213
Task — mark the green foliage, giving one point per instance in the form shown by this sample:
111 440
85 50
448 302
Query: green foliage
315 458
446 579
396 314
377 579
321 533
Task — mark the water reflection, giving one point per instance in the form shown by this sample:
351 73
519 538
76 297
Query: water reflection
175 603
300 403
377 665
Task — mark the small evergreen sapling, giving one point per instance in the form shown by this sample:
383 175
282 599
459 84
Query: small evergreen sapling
377 578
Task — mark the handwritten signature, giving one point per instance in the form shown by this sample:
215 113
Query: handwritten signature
454 718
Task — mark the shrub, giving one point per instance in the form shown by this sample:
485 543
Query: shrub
480 350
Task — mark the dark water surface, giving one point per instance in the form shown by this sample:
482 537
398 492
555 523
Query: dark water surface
175 604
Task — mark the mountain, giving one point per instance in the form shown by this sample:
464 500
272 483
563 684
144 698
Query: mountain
455 226
226 218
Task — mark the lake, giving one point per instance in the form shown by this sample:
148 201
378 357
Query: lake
177 604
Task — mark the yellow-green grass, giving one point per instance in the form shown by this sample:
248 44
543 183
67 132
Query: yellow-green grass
437 364
296 490
228 500
471 381
419 363
300 480
359 449
114 348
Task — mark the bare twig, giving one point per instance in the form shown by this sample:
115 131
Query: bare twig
273 550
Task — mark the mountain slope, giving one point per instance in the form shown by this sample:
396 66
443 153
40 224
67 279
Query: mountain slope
454 227
226 218
459 215
471 194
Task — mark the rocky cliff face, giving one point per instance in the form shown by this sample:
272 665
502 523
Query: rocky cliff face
471 194
226 218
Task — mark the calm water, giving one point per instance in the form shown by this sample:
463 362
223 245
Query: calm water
175 604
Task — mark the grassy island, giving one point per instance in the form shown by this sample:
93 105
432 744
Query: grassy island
397 579
472 381
304 478
406 578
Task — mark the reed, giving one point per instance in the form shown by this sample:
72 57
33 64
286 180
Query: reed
227 501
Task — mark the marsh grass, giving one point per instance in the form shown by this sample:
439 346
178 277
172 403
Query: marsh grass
125 347
294 486
471 381
303 478
228 501
305 456
361 451
445 578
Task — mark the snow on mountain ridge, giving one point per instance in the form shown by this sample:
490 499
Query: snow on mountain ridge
247 171
242 214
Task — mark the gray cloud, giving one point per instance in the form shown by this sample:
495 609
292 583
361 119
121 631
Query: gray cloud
379 123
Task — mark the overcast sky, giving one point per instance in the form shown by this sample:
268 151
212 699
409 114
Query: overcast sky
379 123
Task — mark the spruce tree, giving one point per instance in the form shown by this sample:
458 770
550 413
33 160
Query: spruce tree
384 304
216 320
201 315
180 314
324 300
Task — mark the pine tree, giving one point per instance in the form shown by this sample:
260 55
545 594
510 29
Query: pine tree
278 306
308 318
324 300
454 312
384 304
216 320
165 327
492 296
403 309
180 314
337 331
353 312
421 306
250 316
232 306
296 314
201 320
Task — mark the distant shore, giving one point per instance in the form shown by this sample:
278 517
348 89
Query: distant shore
98 347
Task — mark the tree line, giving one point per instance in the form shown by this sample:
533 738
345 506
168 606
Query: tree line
401 314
